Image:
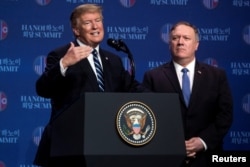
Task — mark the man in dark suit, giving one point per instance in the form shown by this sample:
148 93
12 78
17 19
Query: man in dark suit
207 113
71 71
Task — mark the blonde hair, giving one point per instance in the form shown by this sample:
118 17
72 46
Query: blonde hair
82 9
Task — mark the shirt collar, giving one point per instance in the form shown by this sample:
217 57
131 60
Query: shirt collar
190 66
82 44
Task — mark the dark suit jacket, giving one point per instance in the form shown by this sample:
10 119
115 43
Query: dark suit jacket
80 78
209 114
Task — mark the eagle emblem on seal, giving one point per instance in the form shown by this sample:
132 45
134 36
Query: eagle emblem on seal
136 123
136 120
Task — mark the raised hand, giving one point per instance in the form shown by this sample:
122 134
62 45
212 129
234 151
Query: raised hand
75 54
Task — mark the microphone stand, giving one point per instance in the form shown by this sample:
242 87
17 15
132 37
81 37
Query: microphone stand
124 48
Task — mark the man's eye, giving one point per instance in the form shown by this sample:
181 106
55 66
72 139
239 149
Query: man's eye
86 23
175 38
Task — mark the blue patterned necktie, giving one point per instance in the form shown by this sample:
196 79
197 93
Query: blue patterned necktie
185 86
99 71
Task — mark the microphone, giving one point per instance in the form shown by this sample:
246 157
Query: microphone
117 44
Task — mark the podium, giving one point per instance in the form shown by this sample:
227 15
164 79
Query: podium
86 133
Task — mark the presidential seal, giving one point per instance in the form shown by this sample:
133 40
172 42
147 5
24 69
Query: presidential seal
136 123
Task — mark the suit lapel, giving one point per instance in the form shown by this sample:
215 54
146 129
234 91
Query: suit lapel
172 76
197 86
85 66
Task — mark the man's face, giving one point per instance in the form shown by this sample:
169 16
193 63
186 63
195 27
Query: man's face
89 29
183 43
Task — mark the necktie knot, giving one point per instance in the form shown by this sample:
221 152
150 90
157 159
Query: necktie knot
94 52
184 70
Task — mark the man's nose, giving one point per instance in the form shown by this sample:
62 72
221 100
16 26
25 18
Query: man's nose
180 41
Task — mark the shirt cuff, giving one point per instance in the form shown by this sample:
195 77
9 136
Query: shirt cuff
62 69
204 144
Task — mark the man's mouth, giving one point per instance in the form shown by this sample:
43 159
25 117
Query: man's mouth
180 49
95 33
